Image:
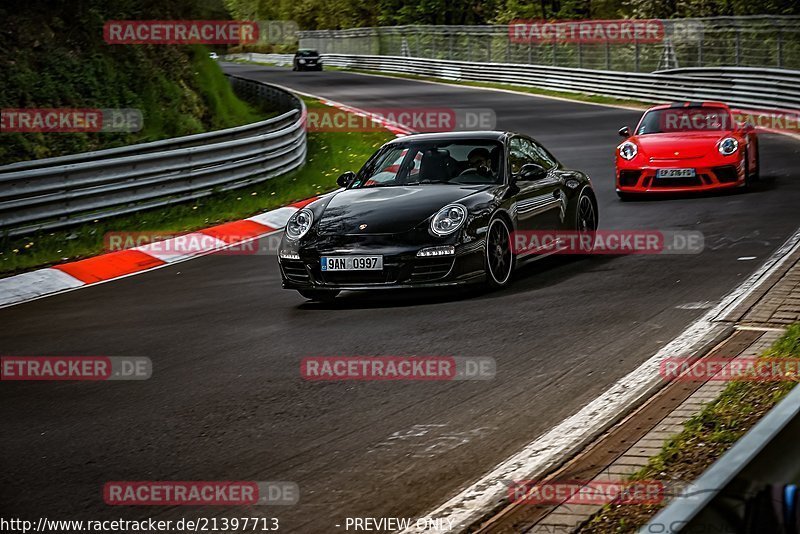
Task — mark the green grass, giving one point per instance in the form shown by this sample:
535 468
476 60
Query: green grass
329 154
704 439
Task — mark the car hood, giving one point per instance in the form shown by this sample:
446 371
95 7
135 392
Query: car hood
387 210
679 145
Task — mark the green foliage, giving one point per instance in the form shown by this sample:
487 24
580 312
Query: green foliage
337 14
54 56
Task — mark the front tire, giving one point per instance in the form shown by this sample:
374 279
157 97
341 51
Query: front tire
498 257
586 222
319 295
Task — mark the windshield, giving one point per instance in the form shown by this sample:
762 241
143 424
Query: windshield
462 162
702 119
307 53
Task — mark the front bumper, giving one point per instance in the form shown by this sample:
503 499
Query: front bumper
401 268
642 179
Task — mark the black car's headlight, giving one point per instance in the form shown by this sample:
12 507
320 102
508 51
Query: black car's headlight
728 146
448 219
299 224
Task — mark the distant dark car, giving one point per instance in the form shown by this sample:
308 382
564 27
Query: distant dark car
307 60
434 210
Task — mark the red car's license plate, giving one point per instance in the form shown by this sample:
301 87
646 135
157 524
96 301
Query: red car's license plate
675 173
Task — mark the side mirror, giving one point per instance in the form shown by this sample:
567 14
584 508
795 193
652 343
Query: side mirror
345 178
624 132
531 171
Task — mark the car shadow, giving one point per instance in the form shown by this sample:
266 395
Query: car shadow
764 184
532 276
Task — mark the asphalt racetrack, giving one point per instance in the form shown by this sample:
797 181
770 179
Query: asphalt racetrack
226 400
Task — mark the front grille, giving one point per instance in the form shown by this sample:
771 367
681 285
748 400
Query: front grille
726 174
629 178
677 182
429 269
357 277
295 270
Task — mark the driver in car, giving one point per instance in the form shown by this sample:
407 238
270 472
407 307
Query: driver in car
479 161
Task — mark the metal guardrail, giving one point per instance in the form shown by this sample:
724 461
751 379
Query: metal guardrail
63 191
725 497
738 86
755 41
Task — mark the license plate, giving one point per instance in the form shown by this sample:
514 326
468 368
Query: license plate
675 173
351 263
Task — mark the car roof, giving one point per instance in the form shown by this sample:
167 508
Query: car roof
692 104
492 135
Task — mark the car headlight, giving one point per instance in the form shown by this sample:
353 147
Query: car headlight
299 224
302 61
448 219
728 146
628 150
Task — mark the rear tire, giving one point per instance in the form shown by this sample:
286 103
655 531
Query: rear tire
319 295
499 256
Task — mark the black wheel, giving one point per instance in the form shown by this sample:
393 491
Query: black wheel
499 256
294 67
748 177
757 170
319 68
319 295
586 222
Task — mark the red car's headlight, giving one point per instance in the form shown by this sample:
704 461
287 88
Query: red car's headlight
628 150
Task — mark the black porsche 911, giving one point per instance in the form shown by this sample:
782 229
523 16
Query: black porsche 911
433 210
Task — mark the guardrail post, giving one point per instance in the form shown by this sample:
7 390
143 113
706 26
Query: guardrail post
738 47
449 45
530 48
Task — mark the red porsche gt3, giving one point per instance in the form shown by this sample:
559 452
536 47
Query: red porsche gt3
683 147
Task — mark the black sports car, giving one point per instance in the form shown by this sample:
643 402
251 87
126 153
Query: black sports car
306 60
432 210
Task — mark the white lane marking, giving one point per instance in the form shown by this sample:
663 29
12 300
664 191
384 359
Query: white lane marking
194 243
700 305
27 286
760 328
746 258
275 218
569 436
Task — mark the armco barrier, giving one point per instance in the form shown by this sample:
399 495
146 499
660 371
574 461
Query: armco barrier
739 86
58 192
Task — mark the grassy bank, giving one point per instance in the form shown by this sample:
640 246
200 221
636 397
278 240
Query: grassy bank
329 154
704 439
54 56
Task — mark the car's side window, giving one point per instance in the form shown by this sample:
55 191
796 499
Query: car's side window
541 156
522 151
518 155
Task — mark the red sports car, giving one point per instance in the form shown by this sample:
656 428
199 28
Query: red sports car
686 146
